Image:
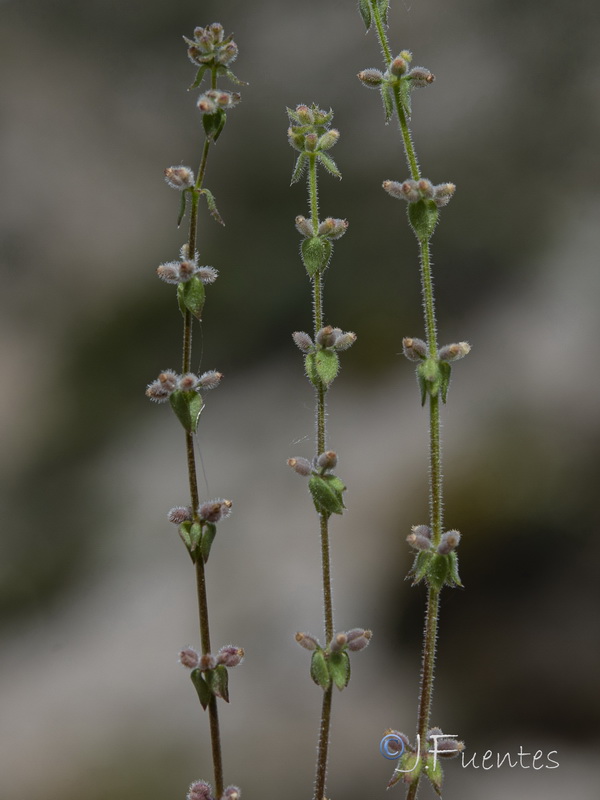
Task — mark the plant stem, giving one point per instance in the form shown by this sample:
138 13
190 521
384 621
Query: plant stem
317 286
213 713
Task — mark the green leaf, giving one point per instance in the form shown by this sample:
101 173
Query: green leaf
386 99
195 537
438 572
182 205
430 377
434 773
212 206
204 692
301 163
365 11
187 407
423 216
404 97
327 366
454 578
339 669
318 669
329 164
192 295
445 370
408 769
234 79
199 74
383 7
208 537
326 491
218 682
420 566
315 253
184 533
214 123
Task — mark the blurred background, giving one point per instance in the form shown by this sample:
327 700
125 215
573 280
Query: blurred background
96 590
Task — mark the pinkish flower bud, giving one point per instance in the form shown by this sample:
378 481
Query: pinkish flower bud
305 115
452 352
408 190
303 341
215 510
310 142
414 349
169 272
371 78
161 389
187 268
395 746
443 193
228 53
207 661
304 226
426 188
449 748
358 639
398 66
223 99
206 274
189 658
180 514
338 643
327 460
419 77
187 382
307 641
422 530
206 104
230 656
448 542
200 790
210 379
300 465
179 177
232 793
344 341
216 31
434 732
326 337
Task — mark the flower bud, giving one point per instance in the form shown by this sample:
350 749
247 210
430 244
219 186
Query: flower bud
179 177
338 643
448 542
227 54
452 352
305 115
333 228
296 139
418 541
180 514
422 530
169 272
304 226
419 77
327 460
230 656
344 341
449 748
408 190
206 274
310 142
300 465
216 31
425 188
434 732
414 349
371 78
210 379
443 193
358 639
206 104
232 793
200 790
215 510
326 337
400 737
189 658
328 139
303 341
187 382
307 641
160 390
207 661
187 268
398 66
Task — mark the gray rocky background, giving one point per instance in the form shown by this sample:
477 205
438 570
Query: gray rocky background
96 591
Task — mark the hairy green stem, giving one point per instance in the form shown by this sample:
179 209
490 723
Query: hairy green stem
323 745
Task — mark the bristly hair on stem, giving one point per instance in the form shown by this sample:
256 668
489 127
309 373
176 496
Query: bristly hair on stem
212 52
435 561
311 135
